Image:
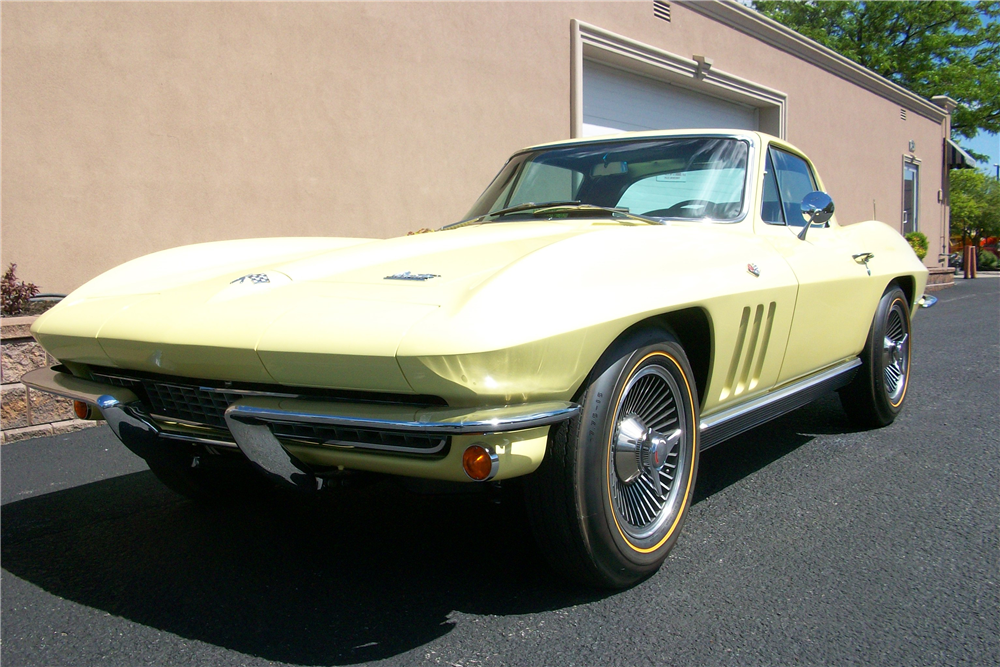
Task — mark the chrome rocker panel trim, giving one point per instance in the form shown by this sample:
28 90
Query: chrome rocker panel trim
729 423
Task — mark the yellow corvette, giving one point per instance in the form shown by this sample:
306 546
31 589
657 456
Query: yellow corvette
609 308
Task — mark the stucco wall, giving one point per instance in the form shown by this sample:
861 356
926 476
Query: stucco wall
133 127
855 137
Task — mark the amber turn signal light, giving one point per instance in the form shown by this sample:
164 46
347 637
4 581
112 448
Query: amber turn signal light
480 463
81 409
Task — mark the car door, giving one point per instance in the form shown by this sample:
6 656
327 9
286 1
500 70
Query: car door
836 293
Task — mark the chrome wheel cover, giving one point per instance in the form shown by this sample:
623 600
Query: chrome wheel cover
896 352
648 455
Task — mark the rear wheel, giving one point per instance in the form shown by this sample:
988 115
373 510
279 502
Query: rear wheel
609 499
875 396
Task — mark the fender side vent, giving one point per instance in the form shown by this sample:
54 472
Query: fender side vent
751 348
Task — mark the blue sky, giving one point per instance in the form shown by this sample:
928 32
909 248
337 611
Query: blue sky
989 144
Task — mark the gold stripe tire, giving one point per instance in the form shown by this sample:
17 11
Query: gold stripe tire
608 502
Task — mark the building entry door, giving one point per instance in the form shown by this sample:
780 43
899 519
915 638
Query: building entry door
911 174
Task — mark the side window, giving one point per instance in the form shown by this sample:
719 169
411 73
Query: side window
795 181
770 208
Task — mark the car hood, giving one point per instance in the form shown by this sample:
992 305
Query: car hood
284 310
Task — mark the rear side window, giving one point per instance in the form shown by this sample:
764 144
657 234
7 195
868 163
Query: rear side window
794 181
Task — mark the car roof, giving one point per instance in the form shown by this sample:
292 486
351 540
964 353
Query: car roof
656 134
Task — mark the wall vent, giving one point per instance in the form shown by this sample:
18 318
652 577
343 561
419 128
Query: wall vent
902 114
661 10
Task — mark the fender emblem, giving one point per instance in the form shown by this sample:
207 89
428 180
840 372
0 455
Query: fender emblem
406 275
255 278
753 270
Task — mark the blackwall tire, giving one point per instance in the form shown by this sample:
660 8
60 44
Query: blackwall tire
876 395
609 500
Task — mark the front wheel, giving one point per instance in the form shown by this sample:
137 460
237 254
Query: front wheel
608 502
875 396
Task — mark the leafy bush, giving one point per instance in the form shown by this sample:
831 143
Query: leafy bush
988 261
918 241
15 293
975 205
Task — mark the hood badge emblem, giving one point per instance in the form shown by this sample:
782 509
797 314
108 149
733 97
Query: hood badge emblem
406 275
255 278
753 270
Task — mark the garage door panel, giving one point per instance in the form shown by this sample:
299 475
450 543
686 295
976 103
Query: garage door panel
617 100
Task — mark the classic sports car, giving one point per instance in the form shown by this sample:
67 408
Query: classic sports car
609 308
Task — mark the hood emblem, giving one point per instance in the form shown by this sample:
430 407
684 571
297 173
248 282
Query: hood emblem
255 278
753 270
406 275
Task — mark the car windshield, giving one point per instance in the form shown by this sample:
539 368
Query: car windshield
688 178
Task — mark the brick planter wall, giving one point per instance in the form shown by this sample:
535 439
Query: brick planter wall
940 278
25 413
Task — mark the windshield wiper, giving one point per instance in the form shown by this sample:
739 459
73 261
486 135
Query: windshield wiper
541 208
614 211
526 206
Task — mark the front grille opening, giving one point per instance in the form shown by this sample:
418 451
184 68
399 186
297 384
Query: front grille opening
388 441
121 377
193 404
189 403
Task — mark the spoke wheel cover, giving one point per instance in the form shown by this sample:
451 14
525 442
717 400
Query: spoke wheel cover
654 486
896 353
876 394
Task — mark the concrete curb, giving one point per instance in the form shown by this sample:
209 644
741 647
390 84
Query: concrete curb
54 428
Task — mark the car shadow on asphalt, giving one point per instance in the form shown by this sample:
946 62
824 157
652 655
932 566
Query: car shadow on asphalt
357 575
733 460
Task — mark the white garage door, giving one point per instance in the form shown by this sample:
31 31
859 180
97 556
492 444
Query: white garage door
615 101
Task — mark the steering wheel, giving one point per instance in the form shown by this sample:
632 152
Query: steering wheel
682 209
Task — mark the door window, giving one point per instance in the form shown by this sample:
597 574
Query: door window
770 209
795 181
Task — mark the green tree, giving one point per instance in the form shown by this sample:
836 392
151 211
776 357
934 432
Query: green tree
931 48
975 205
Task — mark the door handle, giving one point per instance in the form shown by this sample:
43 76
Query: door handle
864 258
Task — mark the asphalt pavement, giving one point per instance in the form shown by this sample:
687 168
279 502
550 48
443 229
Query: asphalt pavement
809 543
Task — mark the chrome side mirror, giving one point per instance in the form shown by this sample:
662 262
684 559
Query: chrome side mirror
817 209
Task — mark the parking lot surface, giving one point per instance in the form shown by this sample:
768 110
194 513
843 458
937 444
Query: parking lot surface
809 543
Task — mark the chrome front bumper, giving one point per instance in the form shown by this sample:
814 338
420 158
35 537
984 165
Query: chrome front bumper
252 421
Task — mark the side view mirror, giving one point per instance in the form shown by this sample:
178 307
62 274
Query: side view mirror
817 209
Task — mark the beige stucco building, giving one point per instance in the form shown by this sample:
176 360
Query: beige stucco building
132 127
